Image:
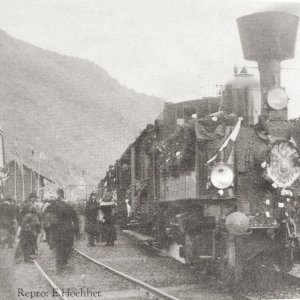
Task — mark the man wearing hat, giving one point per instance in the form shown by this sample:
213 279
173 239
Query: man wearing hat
29 232
91 223
64 226
24 210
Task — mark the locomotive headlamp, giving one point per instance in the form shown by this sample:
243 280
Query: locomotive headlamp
277 98
221 176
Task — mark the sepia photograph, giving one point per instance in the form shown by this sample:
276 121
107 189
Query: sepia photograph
149 149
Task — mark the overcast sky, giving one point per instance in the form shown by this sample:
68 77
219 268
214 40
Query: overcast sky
175 49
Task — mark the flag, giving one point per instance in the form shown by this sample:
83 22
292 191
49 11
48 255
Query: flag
229 141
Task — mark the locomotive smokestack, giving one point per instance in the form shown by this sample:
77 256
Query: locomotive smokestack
268 38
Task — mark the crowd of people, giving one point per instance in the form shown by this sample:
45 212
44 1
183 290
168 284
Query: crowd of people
56 222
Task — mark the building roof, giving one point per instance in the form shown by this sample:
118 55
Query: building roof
11 158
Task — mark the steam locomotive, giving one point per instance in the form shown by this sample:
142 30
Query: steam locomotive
219 176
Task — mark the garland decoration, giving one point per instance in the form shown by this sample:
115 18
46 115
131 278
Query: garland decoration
176 154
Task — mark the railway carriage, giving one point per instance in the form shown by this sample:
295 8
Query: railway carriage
220 176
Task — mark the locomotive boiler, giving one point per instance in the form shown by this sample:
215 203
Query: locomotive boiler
219 176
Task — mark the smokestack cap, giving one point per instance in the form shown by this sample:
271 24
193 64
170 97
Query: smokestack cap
268 36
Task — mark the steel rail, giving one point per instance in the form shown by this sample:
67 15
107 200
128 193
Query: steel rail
133 280
50 281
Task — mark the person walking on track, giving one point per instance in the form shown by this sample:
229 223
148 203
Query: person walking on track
64 227
29 232
24 210
91 223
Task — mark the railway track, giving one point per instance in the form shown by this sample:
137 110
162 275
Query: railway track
161 276
291 291
85 272
128 272
50 282
287 286
145 292
148 289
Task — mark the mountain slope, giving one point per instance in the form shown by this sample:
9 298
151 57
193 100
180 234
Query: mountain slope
69 108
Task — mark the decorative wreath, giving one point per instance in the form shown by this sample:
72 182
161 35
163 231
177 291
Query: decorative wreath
282 164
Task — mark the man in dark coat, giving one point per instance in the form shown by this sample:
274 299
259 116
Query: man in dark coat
64 226
109 225
91 223
26 206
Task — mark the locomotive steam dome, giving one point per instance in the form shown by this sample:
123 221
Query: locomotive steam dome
242 97
242 80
